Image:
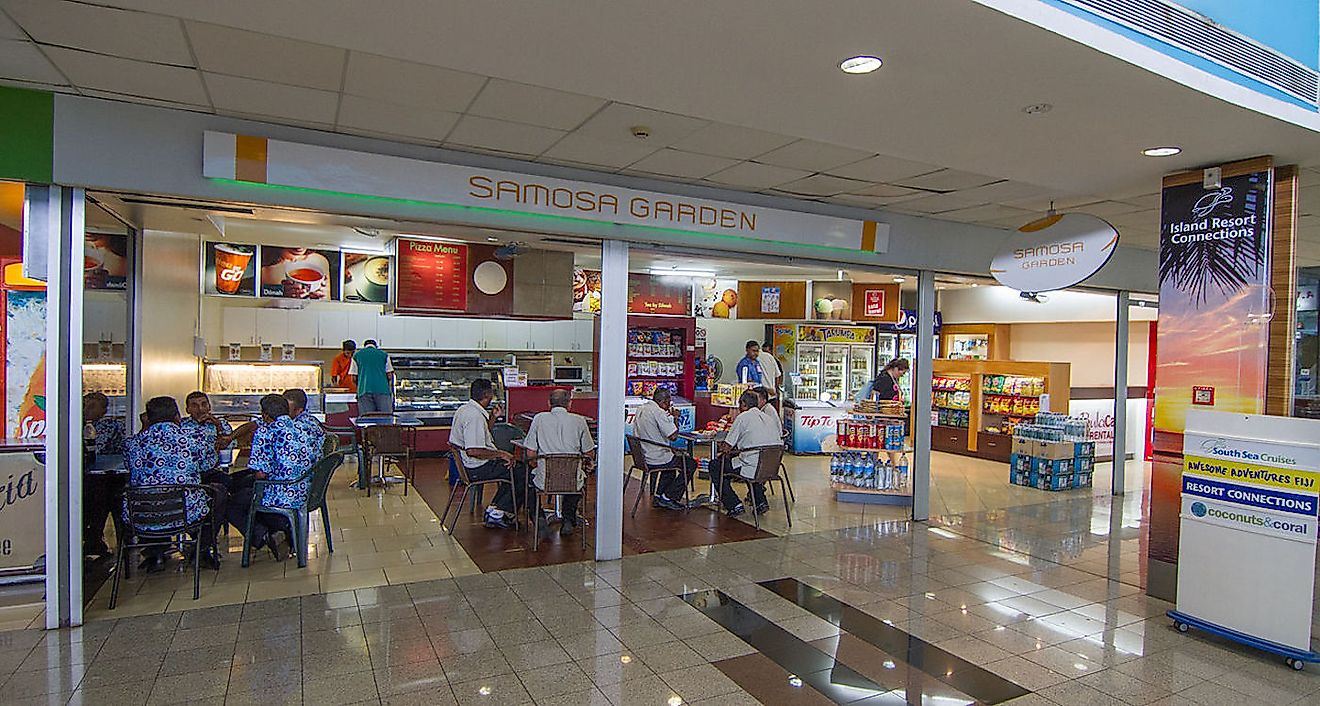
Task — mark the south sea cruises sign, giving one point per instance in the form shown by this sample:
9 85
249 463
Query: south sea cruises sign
1055 252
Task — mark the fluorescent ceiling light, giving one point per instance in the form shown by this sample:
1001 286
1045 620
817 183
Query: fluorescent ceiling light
860 64
1161 151
662 272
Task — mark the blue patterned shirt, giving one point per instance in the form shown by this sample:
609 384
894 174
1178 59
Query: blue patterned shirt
311 430
201 438
161 455
109 435
282 452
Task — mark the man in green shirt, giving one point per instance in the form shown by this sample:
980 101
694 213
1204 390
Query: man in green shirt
373 373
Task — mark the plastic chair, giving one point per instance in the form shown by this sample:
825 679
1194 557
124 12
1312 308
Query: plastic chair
467 483
650 474
393 444
157 516
768 463
318 481
561 478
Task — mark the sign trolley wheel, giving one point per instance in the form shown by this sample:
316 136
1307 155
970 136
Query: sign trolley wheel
1295 658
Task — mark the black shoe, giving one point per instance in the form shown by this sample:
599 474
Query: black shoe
666 503
152 564
762 508
736 510
504 521
566 527
211 560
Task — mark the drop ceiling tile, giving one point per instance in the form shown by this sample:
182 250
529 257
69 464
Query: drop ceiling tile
821 185
379 118
883 168
1006 191
142 100
410 83
121 33
503 136
533 105
615 121
947 180
890 191
937 203
989 212
754 175
812 156
1309 176
608 154
1145 200
1149 218
22 60
671 162
137 78
732 141
1059 201
9 30
234 94
859 200
1104 208
237 52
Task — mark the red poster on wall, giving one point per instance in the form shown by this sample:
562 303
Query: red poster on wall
432 276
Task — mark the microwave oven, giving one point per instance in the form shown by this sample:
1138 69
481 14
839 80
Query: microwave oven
570 374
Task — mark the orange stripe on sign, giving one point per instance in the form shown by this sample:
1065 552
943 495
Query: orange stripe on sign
868 236
250 158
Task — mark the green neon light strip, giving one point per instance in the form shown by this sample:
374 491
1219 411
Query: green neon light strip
526 214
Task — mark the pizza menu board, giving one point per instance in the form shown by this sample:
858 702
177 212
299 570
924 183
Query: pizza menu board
432 276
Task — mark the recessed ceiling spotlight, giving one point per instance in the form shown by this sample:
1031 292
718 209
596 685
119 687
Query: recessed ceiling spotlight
492 239
1038 108
860 64
975 284
1161 151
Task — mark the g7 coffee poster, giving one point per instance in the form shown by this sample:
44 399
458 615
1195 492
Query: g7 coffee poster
231 270
299 273
1213 322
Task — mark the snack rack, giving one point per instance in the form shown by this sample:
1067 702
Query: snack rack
661 352
861 469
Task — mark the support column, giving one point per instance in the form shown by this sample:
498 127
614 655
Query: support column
611 368
922 369
1121 329
62 229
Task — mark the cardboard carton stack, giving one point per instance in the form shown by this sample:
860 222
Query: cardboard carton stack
1052 454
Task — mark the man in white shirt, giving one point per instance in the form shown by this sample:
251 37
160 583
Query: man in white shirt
774 376
751 428
559 432
655 422
470 434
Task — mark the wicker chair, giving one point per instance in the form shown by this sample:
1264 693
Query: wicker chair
467 483
767 469
561 478
393 444
650 474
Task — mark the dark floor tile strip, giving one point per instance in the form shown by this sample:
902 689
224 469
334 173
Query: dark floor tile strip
979 683
837 682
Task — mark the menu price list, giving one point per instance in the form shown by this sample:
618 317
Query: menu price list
432 276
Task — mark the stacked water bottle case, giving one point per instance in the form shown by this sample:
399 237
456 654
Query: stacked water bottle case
863 462
1052 454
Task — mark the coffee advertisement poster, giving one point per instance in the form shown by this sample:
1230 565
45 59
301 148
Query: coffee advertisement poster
367 277
230 270
105 261
299 273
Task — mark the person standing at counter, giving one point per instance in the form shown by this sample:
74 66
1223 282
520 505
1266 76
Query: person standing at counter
470 434
655 422
774 376
885 387
751 428
339 367
373 375
749 370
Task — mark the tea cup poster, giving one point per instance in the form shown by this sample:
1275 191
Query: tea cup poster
231 269
366 277
105 261
299 273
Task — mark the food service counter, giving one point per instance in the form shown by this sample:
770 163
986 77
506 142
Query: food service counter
432 435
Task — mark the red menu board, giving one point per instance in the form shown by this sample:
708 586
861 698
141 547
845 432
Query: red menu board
432 276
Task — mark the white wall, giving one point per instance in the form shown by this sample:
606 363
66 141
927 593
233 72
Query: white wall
725 339
1001 305
1089 347
170 300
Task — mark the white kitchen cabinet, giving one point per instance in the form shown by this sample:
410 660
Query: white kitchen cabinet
273 326
361 325
404 332
494 335
584 334
303 330
456 334
563 336
518 335
239 325
331 328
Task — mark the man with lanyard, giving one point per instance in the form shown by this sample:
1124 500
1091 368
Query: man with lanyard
162 455
206 434
752 428
279 452
655 422
306 422
470 434
749 370
559 432
373 374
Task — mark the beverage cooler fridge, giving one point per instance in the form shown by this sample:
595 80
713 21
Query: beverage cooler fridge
900 341
830 363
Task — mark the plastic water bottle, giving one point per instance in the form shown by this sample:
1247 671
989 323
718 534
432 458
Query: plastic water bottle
868 471
834 468
885 479
902 470
854 469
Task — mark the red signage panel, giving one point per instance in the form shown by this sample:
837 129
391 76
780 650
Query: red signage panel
432 276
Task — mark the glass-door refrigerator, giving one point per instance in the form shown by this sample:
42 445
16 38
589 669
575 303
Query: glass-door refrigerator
860 371
808 371
834 376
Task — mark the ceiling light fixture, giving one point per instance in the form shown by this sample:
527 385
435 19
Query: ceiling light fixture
860 64
900 280
1161 151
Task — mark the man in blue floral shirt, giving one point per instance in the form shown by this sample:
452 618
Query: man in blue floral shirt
279 452
312 432
109 430
103 436
206 434
161 455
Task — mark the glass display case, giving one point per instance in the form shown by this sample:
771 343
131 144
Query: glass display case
808 370
236 387
438 383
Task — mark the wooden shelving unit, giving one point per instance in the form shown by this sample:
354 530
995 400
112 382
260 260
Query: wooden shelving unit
975 440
